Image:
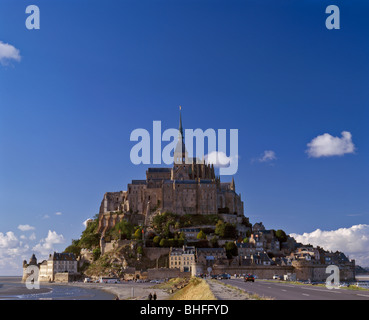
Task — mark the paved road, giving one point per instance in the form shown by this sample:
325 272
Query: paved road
286 291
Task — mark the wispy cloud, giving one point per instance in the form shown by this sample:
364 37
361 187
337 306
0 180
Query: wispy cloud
267 156
25 227
8 53
326 145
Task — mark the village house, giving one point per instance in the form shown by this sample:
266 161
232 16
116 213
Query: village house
210 256
182 258
58 267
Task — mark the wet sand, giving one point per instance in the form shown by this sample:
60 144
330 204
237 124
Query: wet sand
11 288
125 291
10 292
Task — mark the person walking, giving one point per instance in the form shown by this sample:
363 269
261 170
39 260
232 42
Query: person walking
150 296
154 296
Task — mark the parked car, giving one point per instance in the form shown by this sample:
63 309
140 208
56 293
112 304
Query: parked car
276 277
155 281
249 278
224 276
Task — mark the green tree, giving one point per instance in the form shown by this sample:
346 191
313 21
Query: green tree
219 228
231 249
138 234
124 229
139 250
156 241
164 243
90 240
74 248
161 222
281 235
225 230
201 235
96 253
246 240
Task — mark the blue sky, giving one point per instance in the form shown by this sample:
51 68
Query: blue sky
97 70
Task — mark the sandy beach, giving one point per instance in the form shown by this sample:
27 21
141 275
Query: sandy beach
18 291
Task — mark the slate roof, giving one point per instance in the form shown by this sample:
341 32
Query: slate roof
62 256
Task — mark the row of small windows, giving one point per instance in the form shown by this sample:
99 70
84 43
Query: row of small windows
178 264
180 258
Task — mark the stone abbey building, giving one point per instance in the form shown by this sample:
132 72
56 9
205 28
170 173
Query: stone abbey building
189 187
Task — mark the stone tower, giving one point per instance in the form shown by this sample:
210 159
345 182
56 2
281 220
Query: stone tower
180 152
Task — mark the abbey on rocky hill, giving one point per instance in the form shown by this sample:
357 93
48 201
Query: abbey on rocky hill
189 187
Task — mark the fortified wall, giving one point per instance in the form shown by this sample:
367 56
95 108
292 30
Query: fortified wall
306 271
303 271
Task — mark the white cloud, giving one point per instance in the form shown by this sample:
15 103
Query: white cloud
8 240
12 253
219 159
267 156
14 250
58 213
326 145
46 216
46 246
353 241
8 52
25 227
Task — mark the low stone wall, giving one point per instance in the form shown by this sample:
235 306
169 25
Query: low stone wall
62 277
163 273
66 277
263 272
318 272
136 275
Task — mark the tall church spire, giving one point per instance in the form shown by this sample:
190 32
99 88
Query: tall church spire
180 123
180 153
